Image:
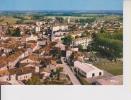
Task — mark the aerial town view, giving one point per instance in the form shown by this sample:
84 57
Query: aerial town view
61 47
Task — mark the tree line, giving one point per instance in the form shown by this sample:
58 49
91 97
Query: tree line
109 45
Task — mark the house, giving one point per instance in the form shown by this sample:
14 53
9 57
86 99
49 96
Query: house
61 46
27 61
31 59
32 38
20 74
39 23
81 41
60 28
68 53
4 75
59 33
87 70
5 51
76 34
38 29
25 76
41 42
45 74
74 49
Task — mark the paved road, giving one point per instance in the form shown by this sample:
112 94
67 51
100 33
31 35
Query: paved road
68 71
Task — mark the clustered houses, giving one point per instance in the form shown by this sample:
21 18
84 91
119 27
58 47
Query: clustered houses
32 38
28 57
39 49
111 25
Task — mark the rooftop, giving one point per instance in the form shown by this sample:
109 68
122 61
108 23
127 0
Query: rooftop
85 66
22 70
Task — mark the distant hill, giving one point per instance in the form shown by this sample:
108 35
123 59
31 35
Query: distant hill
63 13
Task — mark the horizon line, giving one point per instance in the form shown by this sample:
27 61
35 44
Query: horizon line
64 10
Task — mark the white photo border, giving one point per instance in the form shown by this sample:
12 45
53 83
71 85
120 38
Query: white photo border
76 92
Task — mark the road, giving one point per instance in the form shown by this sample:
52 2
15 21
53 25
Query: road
68 71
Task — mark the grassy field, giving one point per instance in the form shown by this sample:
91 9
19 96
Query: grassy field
10 20
115 68
74 17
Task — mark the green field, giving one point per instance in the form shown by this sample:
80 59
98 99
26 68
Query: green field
115 68
10 20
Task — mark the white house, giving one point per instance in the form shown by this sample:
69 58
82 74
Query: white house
7 50
12 77
62 28
74 49
60 33
27 61
45 75
54 39
37 69
25 76
32 38
68 53
82 41
39 23
41 43
38 29
87 70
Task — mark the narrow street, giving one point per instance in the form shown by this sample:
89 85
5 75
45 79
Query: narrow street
68 71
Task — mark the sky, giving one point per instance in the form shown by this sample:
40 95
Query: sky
61 5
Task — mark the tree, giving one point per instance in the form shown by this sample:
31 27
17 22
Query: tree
74 56
72 27
16 32
35 80
67 40
58 71
102 30
109 45
56 52
80 47
55 74
44 62
8 31
19 21
85 34
87 20
60 19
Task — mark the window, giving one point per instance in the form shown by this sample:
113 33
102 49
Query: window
93 74
100 73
